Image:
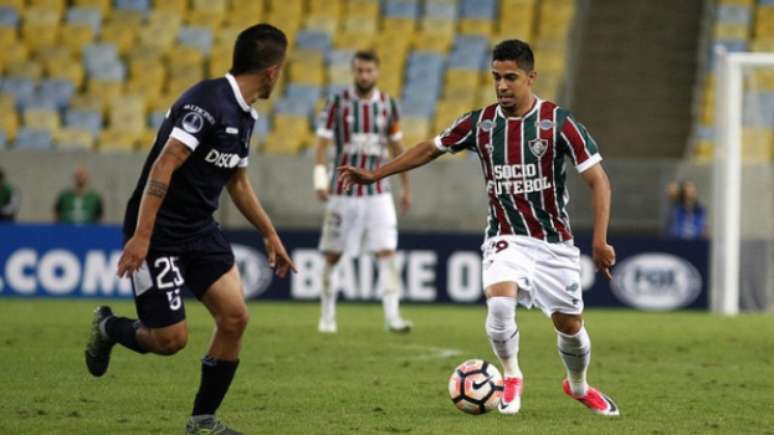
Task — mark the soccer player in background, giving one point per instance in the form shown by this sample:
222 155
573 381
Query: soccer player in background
363 124
173 243
529 255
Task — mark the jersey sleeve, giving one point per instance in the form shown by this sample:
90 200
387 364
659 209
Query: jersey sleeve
393 130
459 136
579 144
327 119
194 120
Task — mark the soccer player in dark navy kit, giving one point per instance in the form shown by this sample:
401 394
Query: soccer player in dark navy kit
173 242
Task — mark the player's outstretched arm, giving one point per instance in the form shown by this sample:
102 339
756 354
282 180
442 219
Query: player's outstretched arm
419 155
602 254
171 157
244 197
320 173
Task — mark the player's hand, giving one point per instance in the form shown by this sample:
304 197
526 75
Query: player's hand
278 256
603 256
404 200
322 195
135 251
350 175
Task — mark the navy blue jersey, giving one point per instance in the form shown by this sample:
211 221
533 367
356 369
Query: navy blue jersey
215 123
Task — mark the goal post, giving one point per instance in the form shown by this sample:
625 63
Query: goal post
742 228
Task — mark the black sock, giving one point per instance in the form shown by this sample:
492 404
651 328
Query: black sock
124 331
216 378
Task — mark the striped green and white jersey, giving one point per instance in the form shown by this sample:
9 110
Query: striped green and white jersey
360 130
523 161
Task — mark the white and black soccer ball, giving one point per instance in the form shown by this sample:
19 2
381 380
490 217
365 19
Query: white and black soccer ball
475 386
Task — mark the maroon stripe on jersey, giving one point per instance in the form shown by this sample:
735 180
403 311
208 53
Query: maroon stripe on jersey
577 142
485 138
361 165
366 118
331 116
339 186
548 113
458 132
378 182
520 199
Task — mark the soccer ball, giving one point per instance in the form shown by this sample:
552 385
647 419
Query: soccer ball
475 386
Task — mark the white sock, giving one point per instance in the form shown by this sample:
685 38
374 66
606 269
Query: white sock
389 286
504 334
575 351
328 295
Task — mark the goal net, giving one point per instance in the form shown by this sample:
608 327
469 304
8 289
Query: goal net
742 259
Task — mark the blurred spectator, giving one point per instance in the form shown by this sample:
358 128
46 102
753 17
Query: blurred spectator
9 200
687 217
79 205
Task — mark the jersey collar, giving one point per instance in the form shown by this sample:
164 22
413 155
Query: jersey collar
376 94
535 105
238 95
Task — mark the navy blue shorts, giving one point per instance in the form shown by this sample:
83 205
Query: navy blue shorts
168 273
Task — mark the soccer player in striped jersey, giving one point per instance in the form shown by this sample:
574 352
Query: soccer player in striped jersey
529 256
363 124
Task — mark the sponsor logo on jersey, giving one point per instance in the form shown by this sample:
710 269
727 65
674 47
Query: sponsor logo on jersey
486 125
538 147
656 281
200 111
192 122
222 160
517 179
232 130
545 124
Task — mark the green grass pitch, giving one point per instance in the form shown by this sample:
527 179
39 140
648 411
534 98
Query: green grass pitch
670 373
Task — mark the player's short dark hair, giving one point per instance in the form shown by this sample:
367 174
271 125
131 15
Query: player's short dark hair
367 56
257 48
517 51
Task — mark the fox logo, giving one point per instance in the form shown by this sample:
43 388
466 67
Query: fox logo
222 160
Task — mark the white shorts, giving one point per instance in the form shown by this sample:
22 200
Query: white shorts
547 274
353 225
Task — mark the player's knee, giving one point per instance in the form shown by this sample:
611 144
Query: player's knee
171 344
569 324
234 322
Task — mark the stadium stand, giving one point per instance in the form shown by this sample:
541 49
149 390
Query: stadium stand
740 25
100 74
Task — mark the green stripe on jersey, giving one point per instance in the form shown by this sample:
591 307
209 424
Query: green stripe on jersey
356 114
535 199
499 143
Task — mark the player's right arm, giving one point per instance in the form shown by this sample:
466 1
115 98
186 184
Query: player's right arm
459 136
169 160
416 156
324 138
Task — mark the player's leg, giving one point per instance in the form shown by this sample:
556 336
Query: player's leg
507 278
575 350
161 327
560 295
503 335
381 238
389 287
337 227
225 301
327 322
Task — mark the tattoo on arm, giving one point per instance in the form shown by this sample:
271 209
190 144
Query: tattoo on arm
156 188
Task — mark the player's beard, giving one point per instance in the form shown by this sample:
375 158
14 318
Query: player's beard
364 89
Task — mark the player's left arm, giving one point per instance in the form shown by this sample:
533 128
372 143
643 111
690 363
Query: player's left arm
396 149
244 197
602 253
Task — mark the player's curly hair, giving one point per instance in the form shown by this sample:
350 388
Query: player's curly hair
257 48
517 51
